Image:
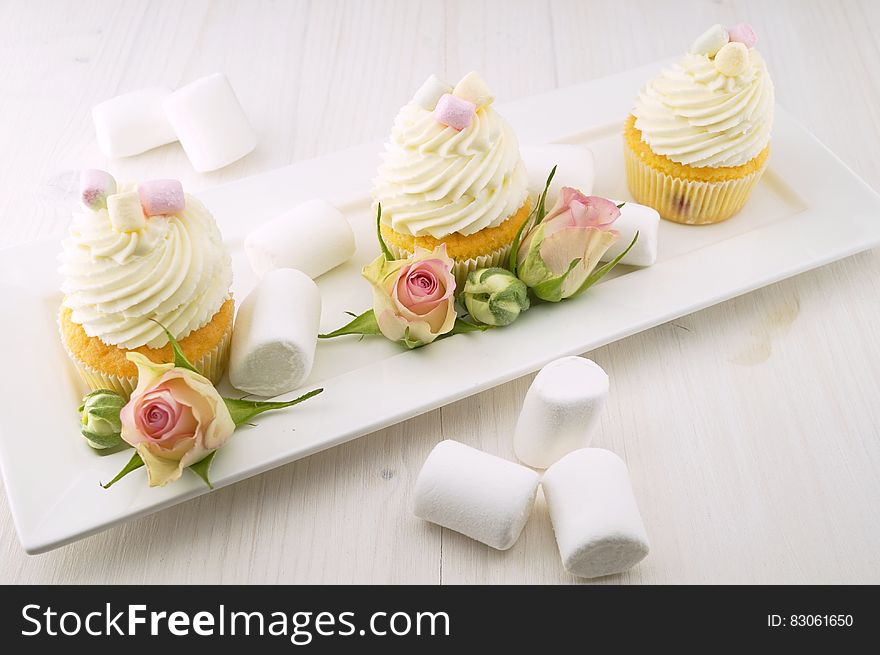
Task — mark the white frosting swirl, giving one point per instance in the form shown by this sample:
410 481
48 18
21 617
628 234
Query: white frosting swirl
697 116
175 270
435 180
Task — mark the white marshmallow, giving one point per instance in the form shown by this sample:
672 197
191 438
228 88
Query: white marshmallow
574 168
132 123
430 92
473 88
275 334
635 218
313 238
597 523
210 123
482 496
561 408
711 41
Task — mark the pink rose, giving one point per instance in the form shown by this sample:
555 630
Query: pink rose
174 419
413 298
578 228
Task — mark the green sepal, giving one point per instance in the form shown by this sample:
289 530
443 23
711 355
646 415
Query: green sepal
180 360
602 271
462 326
620 206
551 290
202 467
366 323
409 342
537 214
382 245
133 465
242 411
99 442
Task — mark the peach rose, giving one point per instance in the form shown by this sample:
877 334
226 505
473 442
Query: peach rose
174 419
413 298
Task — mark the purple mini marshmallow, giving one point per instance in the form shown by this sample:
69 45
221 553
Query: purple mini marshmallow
94 187
454 112
743 33
159 197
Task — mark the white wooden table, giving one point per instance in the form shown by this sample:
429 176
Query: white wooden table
751 429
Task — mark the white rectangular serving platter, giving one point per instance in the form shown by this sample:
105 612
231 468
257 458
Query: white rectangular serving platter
808 210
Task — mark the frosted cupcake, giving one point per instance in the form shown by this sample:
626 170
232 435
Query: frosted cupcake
134 257
452 173
698 139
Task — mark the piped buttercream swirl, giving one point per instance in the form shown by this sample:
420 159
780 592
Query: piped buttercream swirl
175 270
695 115
435 180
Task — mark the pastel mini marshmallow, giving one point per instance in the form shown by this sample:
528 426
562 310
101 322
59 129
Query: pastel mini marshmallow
430 92
94 188
732 59
133 123
598 527
482 496
710 41
743 33
126 214
454 112
635 218
560 411
210 123
473 88
575 168
313 237
275 334
161 197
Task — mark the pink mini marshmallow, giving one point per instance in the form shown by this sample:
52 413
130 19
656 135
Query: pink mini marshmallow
743 33
159 197
94 187
454 112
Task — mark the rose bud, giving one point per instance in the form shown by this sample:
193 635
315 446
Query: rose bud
556 256
99 415
495 296
413 298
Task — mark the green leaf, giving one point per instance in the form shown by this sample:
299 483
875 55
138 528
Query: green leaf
602 271
537 214
463 327
243 411
202 467
364 324
620 206
180 360
133 465
541 210
382 246
551 290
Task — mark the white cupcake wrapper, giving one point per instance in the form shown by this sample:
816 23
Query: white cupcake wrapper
693 202
462 268
212 365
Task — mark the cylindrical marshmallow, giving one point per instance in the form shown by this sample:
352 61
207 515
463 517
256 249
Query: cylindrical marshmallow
561 409
574 168
482 496
313 238
275 334
132 123
210 123
635 218
597 523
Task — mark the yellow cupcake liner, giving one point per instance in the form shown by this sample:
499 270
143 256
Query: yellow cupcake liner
463 267
212 365
692 202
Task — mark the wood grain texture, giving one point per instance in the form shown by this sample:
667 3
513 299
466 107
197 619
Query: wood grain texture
751 429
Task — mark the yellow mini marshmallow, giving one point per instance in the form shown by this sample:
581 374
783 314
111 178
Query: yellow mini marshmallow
473 88
126 214
732 59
